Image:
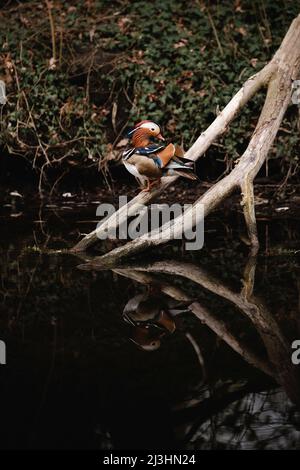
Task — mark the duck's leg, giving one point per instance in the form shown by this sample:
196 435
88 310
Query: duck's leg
148 187
151 184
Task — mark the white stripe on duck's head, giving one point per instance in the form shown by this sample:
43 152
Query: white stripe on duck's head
143 131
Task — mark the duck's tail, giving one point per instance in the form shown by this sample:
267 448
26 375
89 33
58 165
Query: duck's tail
182 168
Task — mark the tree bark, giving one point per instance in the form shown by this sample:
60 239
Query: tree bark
278 75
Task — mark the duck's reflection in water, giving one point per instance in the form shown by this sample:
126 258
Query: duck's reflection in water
147 420
152 316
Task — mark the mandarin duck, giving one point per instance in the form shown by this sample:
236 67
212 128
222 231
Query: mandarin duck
151 316
149 161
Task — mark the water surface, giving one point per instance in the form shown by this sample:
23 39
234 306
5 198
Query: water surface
205 363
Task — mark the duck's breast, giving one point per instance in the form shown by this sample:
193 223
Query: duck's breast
132 169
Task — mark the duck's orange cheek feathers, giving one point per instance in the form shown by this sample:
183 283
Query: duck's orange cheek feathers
141 138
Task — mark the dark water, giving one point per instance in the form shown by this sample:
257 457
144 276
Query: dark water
201 358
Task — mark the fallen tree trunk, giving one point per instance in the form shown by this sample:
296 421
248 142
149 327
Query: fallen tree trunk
278 75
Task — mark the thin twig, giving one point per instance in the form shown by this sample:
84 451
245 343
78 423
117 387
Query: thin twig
52 27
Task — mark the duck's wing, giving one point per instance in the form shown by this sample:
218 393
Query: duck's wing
150 150
179 165
174 153
166 155
181 168
136 155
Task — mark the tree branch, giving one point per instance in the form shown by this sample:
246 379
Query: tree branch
200 146
278 74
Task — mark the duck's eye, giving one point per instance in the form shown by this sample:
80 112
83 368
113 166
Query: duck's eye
152 129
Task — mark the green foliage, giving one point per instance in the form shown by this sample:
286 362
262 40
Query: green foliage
176 62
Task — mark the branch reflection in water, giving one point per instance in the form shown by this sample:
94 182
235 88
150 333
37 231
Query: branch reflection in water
157 313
